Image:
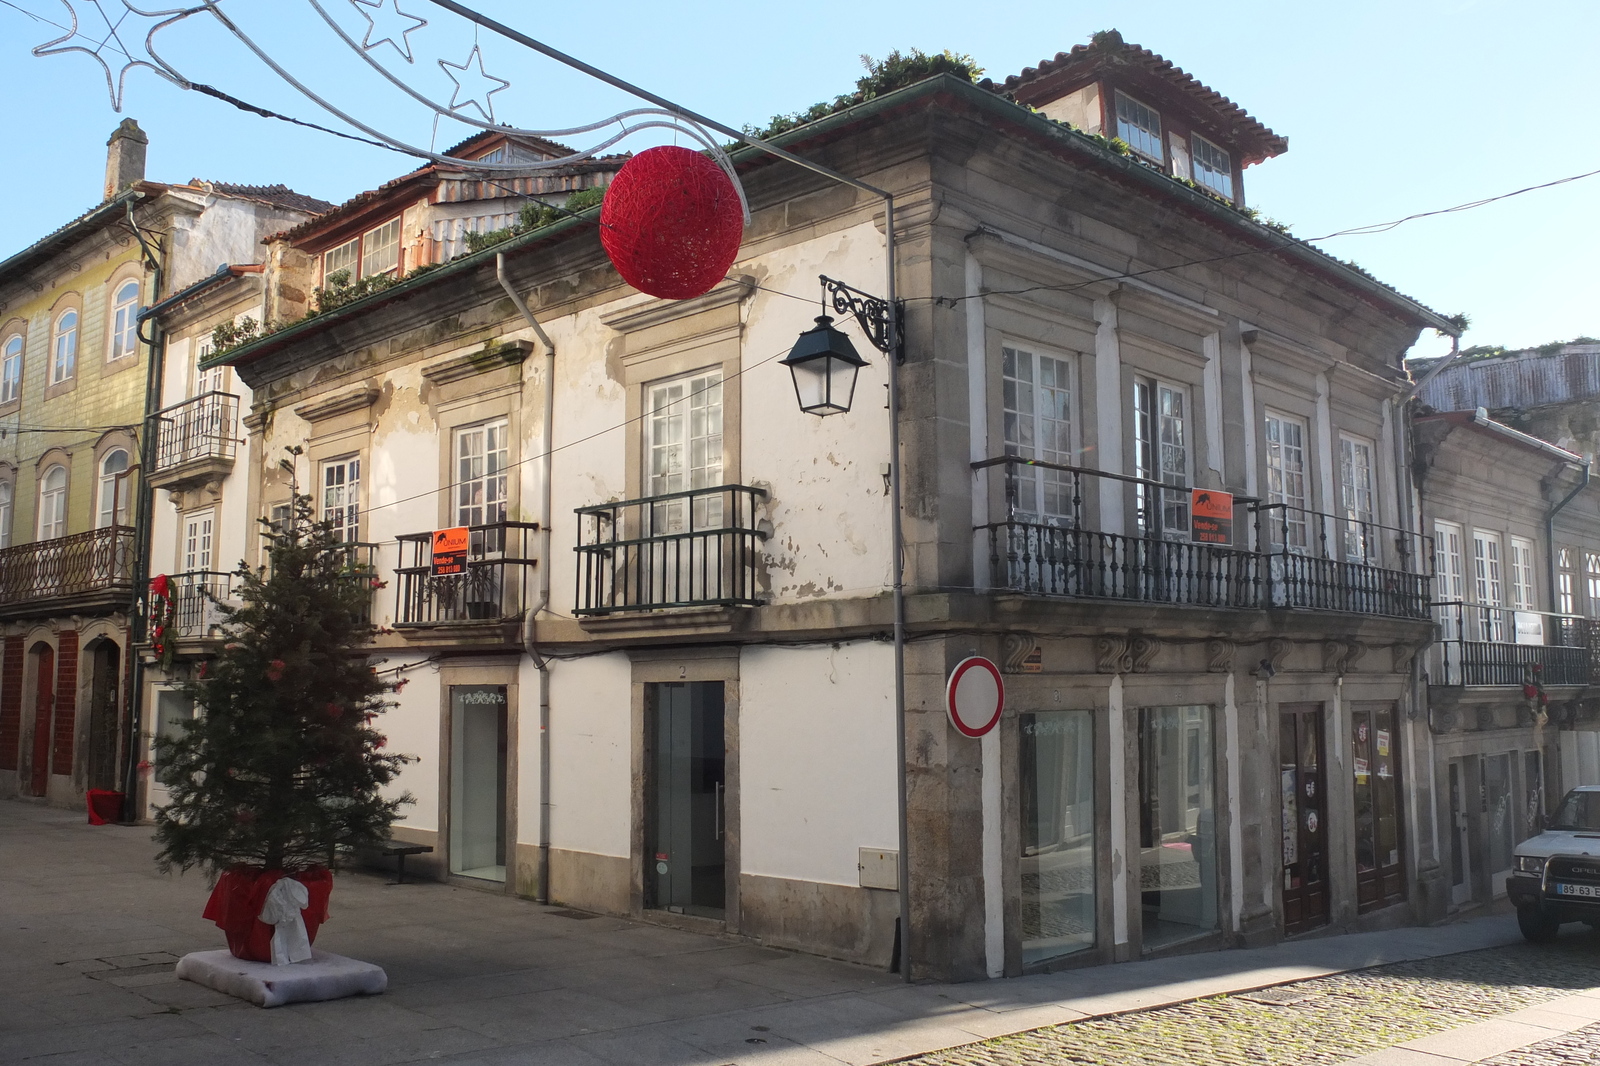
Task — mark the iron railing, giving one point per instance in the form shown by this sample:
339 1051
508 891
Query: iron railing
1333 562
1053 541
100 560
206 427
494 586
197 599
1062 530
1498 646
682 549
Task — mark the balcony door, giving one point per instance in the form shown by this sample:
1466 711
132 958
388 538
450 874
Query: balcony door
194 611
1305 818
682 453
1490 624
482 457
1359 500
686 856
1037 413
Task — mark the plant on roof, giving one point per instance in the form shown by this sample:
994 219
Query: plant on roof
894 71
534 215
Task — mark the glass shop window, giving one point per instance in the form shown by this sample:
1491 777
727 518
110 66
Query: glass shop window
1177 824
1056 750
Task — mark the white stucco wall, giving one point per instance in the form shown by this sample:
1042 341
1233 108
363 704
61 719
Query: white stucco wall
590 762
413 729
816 759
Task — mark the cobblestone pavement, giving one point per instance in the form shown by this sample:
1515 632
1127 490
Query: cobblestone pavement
1323 1021
1581 1048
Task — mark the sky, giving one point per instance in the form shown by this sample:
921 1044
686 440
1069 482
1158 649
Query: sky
1391 107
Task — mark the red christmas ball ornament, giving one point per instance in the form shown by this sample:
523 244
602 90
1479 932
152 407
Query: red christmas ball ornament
671 223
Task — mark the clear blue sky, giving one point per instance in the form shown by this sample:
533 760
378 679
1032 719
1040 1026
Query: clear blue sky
1390 108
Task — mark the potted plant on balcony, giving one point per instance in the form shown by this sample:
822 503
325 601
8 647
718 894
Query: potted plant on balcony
281 767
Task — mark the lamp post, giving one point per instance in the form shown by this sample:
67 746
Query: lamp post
825 364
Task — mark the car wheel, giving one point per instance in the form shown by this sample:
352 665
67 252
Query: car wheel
1536 925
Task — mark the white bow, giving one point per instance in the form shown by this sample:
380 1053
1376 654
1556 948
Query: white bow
285 900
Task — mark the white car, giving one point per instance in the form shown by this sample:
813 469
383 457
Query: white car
1556 876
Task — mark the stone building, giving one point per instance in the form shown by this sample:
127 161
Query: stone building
75 375
662 685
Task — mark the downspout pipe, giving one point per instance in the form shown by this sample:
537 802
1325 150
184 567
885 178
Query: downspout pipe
542 893
155 346
1550 531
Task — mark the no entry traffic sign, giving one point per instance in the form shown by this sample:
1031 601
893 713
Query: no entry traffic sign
975 696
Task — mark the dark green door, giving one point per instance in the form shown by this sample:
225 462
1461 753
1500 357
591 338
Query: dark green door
686 860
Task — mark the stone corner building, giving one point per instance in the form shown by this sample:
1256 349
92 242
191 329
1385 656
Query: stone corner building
660 684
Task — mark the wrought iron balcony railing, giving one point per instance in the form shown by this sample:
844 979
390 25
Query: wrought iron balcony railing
1062 530
493 586
1498 646
682 549
1046 543
206 427
197 599
79 564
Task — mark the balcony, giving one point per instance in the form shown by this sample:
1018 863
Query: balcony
198 597
1496 647
82 571
494 587
1071 532
195 440
683 549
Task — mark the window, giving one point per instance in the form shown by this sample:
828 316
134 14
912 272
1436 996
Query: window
1161 453
1056 753
1567 582
1140 126
380 249
341 497
213 379
111 498
481 459
345 257
1523 597
683 435
1177 825
1486 558
1591 568
124 321
280 518
1449 567
1286 481
198 531
1212 167
53 503
65 347
1037 402
1359 499
11 369
5 514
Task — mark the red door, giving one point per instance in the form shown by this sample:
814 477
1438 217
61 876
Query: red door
45 672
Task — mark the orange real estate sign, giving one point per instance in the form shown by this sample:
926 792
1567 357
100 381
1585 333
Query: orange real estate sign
1211 517
450 551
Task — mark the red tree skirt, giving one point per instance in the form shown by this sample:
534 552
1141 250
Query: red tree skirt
237 900
671 223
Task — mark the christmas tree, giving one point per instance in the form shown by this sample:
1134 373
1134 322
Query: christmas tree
282 765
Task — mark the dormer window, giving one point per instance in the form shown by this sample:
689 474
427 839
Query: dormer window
1140 126
1212 167
344 257
376 251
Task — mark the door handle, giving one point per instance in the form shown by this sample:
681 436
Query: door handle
716 812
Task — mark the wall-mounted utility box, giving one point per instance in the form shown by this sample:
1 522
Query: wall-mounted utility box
879 868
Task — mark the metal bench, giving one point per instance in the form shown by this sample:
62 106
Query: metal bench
399 849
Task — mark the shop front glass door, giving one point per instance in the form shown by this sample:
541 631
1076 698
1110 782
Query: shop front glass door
1460 832
478 781
686 867
1177 825
1375 758
1056 750
1499 818
1305 820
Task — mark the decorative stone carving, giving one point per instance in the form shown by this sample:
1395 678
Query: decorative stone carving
1219 656
1277 652
1402 655
1018 648
1111 655
1144 652
1339 656
1485 717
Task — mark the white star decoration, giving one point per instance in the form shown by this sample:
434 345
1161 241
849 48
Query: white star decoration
393 31
122 30
480 81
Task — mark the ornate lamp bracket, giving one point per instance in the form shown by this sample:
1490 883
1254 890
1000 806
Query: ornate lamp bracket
871 313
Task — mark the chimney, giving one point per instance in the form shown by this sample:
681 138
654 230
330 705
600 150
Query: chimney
125 157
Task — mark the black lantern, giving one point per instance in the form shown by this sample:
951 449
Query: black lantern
824 364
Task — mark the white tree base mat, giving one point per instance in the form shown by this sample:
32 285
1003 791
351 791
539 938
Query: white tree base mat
324 976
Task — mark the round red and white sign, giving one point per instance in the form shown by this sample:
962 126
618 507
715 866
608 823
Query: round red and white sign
975 696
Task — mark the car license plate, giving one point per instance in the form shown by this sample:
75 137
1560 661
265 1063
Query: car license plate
1578 890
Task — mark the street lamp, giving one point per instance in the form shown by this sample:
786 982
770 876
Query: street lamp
824 364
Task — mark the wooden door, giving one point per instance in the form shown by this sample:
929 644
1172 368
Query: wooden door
1375 754
44 702
1305 821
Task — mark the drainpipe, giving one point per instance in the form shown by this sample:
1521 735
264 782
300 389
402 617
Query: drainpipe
1550 532
540 662
132 699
